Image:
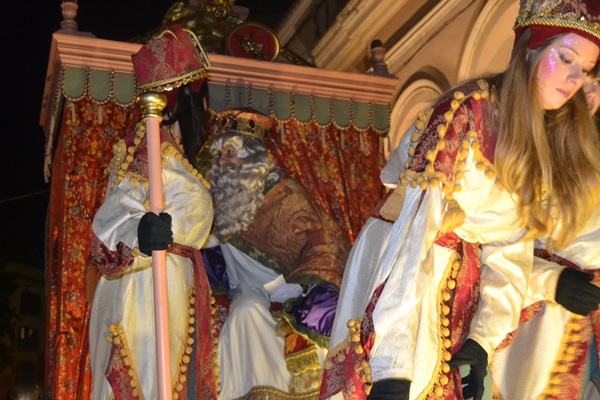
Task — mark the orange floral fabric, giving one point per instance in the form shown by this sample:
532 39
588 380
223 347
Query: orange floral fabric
340 168
83 150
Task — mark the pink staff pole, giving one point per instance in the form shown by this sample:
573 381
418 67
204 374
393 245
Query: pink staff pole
152 104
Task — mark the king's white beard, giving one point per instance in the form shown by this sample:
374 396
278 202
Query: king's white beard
237 195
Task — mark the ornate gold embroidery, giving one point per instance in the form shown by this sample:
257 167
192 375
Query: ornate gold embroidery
572 349
567 14
121 371
271 393
123 156
448 284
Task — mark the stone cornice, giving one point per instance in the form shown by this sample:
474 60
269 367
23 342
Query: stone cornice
355 27
288 26
358 24
446 10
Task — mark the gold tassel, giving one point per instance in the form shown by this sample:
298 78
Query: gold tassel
100 114
453 217
305 369
305 382
302 361
390 210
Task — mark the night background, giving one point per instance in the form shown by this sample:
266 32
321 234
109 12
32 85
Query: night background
26 46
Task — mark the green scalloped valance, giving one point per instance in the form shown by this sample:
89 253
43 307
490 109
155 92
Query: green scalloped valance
103 86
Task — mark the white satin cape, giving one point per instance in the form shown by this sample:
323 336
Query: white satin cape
250 352
128 298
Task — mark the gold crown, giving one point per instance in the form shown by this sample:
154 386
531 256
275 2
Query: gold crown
247 122
560 16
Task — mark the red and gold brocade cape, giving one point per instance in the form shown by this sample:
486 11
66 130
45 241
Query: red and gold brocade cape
294 237
305 243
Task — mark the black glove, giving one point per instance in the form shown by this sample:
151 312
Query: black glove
575 292
473 354
390 389
154 232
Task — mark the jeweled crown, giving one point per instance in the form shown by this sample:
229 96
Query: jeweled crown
547 18
247 122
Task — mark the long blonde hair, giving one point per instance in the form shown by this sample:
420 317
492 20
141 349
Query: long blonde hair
550 159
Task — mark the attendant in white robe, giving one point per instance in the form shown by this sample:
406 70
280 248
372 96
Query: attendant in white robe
361 272
554 351
122 330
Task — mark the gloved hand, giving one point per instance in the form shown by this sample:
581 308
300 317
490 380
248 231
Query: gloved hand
390 389
575 292
154 232
473 354
279 291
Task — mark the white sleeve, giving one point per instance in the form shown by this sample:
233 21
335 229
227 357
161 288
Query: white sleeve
409 260
187 201
542 284
505 272
395 164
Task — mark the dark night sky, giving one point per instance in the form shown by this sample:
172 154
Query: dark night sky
28 28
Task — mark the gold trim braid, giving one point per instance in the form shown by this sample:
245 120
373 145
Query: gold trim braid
271 393
572 14
582 25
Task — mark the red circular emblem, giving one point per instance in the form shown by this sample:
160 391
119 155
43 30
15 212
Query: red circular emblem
253 40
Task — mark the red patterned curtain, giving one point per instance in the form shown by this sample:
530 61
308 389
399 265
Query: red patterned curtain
83 150
340 167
